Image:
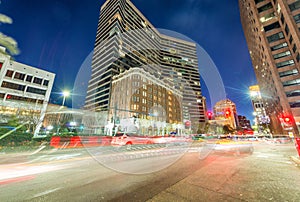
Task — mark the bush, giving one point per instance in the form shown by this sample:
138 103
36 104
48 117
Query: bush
16 139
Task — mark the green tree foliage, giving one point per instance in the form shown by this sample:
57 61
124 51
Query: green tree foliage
6 41
228 129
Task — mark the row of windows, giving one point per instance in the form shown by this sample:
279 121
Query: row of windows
258 1
297 18
271 27
285 63
29 78
288 73
19 98
19 87
265 7
275 37
282 54
295 104
291 83
279 46
294 6
293 93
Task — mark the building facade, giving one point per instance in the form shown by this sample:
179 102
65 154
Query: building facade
271 29
262 120
126 39
156 106
225 113
243 122
24 91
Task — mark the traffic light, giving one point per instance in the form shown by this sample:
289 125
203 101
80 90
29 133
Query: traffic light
227 113
287 120
209 115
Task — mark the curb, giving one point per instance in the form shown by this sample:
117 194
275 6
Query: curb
295 159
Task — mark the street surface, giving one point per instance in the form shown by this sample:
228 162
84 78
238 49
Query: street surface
176 173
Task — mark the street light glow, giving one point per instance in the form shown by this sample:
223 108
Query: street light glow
66 93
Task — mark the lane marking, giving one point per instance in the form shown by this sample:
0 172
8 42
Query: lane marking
46 192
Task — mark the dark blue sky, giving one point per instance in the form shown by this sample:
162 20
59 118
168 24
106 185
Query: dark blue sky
58 35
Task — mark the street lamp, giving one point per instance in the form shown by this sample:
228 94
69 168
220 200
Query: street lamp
65 94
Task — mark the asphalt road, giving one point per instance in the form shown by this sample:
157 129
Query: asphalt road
152 174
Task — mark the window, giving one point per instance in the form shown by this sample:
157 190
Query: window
258 1
291 40
36 91
267 17
13 86
9 73
287 30
282 54
19 76
294 6
294 48
277 47
297 18
29 78
285 63
293 93
271 26
295 104
37 80
291 83
265 7
288 73
275 37
45 83
282 19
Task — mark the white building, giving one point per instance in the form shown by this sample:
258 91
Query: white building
24 90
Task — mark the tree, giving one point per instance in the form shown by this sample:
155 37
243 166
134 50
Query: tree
228 129
6 41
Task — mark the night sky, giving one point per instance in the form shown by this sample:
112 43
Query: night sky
58 35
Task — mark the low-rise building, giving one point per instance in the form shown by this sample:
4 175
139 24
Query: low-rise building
24 91
225 113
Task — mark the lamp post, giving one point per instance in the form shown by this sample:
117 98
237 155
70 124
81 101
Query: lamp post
65 94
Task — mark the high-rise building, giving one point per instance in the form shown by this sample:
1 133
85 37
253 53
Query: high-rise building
126 39
271 29
261 120
24 91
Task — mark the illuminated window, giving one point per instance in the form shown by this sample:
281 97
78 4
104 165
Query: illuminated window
282 54
285 63
9 73
288 73
37 80
19 76
277 47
